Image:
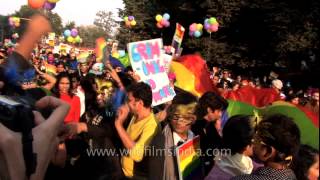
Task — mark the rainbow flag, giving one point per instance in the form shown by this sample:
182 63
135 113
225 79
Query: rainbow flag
101 47
188 158
307 121
51 69
192 74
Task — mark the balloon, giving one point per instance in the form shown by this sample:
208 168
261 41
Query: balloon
133 23
74 32
128 23
49 6
199 27
197 34
213 28
36 4
121 53
191 33
207 26
67 33
53 1
212 20
166 16
163 22
130 18
77 39
159 25
193 27
70 39
158 18
167 24
126 18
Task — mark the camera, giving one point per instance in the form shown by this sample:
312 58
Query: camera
16 113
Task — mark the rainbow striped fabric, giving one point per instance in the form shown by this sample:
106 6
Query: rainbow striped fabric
101 45
188 158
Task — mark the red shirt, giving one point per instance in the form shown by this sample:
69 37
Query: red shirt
74 112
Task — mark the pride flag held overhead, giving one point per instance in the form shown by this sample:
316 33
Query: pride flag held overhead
192 74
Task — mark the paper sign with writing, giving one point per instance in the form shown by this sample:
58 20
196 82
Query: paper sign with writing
147 61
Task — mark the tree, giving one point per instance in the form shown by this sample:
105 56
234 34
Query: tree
106 21
89 34
70 25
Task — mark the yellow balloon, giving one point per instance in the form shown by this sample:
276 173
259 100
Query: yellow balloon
53 1
199 27
133 23
70 39
158 18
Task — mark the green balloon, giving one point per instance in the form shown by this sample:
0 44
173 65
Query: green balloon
212 20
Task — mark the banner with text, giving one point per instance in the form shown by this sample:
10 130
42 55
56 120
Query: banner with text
148 62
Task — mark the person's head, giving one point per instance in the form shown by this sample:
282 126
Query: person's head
235 85
50 58
293 98
306 163
315 96
181 113
104 91
75 80
60 67
63 84
210 106
277 84
139 97
84 67
238 133
215 80
225 74
277 140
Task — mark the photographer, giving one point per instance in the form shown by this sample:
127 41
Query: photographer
42 139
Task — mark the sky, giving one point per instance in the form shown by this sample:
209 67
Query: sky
83 12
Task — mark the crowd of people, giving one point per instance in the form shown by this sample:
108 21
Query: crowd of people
88 108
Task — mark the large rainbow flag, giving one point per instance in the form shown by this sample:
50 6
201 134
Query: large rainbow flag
189 162
307 121
192 74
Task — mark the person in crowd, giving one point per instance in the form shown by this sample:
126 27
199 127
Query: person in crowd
306 163
237 136
64 92
60 67
10 142
313 104
209 111
78 91
275 143
293 99
215 80
142 128
181 115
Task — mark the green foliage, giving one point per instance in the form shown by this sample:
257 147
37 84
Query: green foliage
251 32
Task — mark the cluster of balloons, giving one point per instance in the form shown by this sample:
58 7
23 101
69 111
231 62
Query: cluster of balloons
119 54
45 4
130 21
14 21
211 25
195 30
163 21
15 36
72 36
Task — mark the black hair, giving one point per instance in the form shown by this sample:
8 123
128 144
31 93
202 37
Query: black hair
182 98
210 100
141 91
305 158
238 133
59 77
282 133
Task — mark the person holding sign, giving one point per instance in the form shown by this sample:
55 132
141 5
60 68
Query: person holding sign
181 115
142 128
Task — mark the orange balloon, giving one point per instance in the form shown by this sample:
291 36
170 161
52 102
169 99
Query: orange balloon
36 4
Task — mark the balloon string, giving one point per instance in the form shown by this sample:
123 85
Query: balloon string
209 49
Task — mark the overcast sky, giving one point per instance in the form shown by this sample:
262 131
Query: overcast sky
82 12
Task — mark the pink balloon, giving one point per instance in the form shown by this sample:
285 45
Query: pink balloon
193 27
163 22
159 25
214 28
167 24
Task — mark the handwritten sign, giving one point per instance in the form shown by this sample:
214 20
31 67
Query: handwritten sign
148 62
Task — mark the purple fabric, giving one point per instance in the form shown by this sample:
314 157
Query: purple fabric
218 174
